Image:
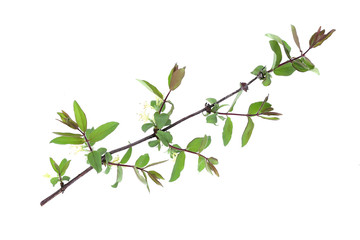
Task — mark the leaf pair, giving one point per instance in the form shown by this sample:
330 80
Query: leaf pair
257 109
60 170
93 135
261 72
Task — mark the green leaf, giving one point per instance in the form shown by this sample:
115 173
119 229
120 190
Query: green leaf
295 36
274 37
315 70
287 49
286 46
107 170
118 177
147 126
68 134
160 119
195 144
203 144
146 181
247 132
102 131
54 181
165 137
126 156
267 80
235 100
64 166
300 66
212 119
277 53
142 161
178 167
80 117
308 63
254 108
155 163
201 163
152 88
94 159
284 70
68 140
213 160
153 143
141 178
66 178
108 157
270 118
172 107
155 176
55 166
211 100
257 70
101 151
227 131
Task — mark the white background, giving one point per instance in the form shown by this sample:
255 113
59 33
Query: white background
298 178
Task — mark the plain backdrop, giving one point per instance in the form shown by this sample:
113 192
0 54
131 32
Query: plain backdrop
298 178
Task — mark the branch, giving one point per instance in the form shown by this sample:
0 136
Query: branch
176 77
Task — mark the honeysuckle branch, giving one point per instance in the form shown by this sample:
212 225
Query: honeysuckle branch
175 79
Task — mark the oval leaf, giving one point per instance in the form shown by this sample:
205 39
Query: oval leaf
165 137
178 167
126 156
118 177
247 132
284 70
94 159
295 36
142 161
64 166
102 131
227 131
176 78
80 117
277 53
55 166
161 119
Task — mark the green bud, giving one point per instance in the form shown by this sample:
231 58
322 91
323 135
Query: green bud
65 119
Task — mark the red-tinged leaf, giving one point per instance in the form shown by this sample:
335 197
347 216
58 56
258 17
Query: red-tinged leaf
295 36
324 37
213 168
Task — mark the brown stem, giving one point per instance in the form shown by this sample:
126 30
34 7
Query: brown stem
163 103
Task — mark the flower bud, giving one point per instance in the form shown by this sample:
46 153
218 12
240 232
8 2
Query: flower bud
176 76
65 119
